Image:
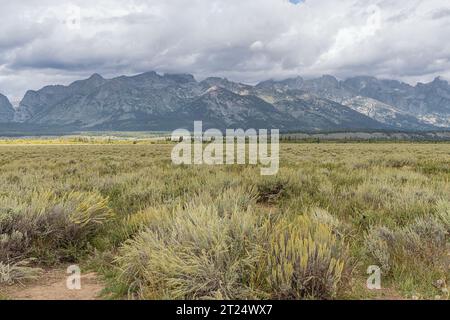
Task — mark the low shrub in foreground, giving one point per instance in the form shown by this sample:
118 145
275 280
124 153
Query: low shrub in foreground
306 260
195 254
422 243
49 227
207 250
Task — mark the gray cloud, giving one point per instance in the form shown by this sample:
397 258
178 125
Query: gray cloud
58 41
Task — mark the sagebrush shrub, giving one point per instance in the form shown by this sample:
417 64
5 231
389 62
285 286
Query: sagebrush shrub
199 253
305 260
50 226
423 242
379 243
425 238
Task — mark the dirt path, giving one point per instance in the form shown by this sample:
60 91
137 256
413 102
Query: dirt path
52 286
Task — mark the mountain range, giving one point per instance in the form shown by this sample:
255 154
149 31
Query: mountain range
151 101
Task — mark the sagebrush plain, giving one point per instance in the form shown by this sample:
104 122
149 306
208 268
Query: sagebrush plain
154 230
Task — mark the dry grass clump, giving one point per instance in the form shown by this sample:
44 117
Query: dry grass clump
443 213
306 260
17 272
49 226
322 216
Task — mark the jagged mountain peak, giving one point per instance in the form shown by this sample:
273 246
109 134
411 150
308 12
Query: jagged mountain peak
162 79
281 85
148 74
323 82
218 91
6 109
439 82
329 79
180 77
93 81
266 83
96 77
235 87
215 81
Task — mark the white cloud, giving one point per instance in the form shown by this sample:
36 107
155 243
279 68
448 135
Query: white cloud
53 41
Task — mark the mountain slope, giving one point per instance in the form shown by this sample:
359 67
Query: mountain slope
316 114
221 108
41 104
397 104
430 103
385 113
151 101
97 102
165 102
6 110
312 112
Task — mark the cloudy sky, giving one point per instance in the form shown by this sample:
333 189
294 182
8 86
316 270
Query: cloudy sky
57 41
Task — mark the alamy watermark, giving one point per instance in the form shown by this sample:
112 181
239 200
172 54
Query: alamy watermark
73 281
374 280
236 147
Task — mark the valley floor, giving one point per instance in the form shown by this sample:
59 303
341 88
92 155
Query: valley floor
144 228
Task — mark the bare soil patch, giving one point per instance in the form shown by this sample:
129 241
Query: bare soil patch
52 286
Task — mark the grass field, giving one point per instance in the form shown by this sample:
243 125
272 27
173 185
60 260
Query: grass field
159 231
